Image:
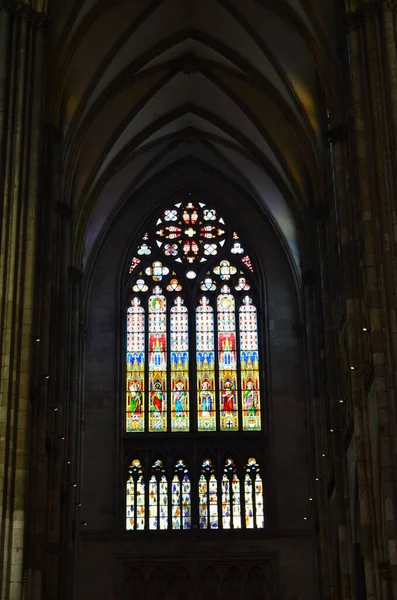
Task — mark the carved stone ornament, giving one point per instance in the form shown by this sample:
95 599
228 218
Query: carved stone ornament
199 579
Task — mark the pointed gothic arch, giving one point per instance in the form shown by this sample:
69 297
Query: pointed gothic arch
193 368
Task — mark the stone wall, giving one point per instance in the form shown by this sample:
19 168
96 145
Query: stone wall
104 545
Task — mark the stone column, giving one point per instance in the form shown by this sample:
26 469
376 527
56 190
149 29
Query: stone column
21 85
373 62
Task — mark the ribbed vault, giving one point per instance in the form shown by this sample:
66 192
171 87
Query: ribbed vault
240 89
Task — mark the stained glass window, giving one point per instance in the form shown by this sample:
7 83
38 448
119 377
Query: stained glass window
208 497
135 366
158 361
168 387
205 360
171 503
231 498
254 510
249 365
227 360
179 366
158 498
181 497
135 497
193 371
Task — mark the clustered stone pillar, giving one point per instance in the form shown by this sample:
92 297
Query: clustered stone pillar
364 303
21 85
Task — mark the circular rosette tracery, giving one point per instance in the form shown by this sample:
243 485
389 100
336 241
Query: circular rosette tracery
190 233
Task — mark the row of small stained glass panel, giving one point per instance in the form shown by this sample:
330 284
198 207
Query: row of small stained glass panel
179 515
179 366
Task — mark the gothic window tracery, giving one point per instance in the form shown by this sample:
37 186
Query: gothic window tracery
192 328
192 369
210 498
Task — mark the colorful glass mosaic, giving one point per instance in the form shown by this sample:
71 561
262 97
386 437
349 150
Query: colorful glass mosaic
227 360
190 268
249 365
179 366
158 361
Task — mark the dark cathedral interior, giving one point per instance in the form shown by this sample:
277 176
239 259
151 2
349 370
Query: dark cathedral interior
198 310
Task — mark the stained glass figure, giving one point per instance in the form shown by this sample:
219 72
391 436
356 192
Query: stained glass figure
181 497
208 497
249 366
205 361
227 360
157 361
213 501
158 498
179 366
135 497
231 497
203 502
135 384
153 503
236 501
249 503
186 503
260 517
226 502
176 503
254 510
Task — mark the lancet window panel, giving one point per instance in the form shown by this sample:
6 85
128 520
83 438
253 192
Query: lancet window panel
176 497
205 377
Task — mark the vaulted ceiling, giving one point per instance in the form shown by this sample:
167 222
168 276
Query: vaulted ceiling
239 86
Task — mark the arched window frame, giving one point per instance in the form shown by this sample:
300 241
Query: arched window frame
191 295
